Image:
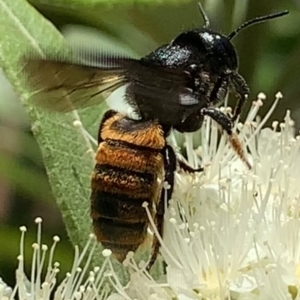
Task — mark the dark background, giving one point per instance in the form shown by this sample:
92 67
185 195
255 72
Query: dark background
269 60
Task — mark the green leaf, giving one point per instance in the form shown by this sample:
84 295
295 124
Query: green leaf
94 3
66 150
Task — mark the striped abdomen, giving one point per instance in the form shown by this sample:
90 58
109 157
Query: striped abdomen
125 176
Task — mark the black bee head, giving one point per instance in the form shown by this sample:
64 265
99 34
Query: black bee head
212 49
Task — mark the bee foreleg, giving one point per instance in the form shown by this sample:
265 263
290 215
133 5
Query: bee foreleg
223 120
241 88
220 90
166 194
226 123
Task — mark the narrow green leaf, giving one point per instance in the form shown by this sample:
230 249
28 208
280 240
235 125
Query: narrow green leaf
93 3
66 150
63 147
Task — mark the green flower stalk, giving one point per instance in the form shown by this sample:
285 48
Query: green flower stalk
230 232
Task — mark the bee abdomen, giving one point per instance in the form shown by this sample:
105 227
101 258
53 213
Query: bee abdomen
118 207
116 180
120 236
129 156
120 221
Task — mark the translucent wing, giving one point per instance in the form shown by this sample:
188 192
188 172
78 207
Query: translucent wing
155 82
64 86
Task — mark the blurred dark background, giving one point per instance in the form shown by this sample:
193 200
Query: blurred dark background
269 60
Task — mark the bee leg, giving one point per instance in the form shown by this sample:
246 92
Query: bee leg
242 90
226 123
107 115
223 120
187 168
219 92
166 194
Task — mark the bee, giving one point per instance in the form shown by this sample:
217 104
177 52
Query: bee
173 87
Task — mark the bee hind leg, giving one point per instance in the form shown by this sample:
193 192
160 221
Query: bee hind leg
187 168
166 194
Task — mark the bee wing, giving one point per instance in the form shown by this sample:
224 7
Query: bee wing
64 86
155 82
162 92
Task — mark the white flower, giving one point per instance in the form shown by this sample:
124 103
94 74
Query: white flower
80 283
5 290
230 232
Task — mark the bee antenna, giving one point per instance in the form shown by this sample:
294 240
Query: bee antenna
256 20
204 15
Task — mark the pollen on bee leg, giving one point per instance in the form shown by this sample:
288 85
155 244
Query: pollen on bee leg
237 146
